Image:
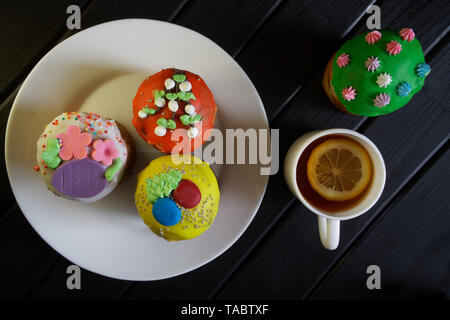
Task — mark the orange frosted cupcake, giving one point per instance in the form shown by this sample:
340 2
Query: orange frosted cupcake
174 101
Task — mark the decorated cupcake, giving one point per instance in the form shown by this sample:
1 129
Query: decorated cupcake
82 156
177 201
376 73
174 101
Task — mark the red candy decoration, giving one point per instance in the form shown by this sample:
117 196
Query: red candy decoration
187 194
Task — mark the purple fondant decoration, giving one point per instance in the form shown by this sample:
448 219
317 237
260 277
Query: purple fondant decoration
80 178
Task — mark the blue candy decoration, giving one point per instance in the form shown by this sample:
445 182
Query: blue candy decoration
403 89
422 70
166 212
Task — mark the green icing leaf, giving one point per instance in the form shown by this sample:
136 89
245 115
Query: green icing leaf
112 169
158 94
185 96
195 118
162 185
148 110
161 122
181 95
185 119
51 155
171 124
179 77
190 95
171 96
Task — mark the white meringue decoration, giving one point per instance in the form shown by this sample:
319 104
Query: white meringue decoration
185 86
169 83
190 109
160 102
192 132
384 79
173 105
160 131
142 114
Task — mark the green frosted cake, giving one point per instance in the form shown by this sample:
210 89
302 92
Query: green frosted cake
376 73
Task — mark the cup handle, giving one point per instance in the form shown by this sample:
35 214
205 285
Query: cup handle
329 232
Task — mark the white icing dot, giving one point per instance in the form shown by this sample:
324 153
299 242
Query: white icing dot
173 105
185 86
160 102
192 132
160 131
169 83
189 109
142 114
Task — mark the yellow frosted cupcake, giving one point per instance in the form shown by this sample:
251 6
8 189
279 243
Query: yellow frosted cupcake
177 201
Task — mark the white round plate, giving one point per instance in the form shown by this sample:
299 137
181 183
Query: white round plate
99 70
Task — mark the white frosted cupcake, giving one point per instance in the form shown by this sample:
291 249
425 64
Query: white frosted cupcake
83 156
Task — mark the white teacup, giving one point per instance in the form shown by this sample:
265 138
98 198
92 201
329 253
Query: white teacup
329 222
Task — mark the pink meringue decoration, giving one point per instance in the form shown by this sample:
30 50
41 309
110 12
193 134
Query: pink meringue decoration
407 34
343 60
393 48
372 63
382 100
373 37
349 93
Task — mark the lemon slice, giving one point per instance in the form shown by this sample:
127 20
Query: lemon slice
339 169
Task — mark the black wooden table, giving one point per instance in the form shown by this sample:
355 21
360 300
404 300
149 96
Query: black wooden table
406 234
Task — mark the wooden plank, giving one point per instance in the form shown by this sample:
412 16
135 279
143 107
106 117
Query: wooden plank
230 24
108 10
291 259
30 28
25 257
7 199
410 244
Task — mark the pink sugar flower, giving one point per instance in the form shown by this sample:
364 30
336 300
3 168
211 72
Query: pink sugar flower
373 37
407 34
393 48
349 93
74 143
343 60
104 151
